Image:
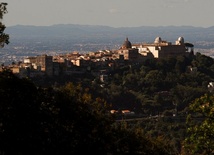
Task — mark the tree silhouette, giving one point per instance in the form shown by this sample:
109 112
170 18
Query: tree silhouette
4 38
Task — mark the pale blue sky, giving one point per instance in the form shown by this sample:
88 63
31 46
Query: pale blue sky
115 13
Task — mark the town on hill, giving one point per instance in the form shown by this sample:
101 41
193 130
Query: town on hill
146 87
101 62
152 97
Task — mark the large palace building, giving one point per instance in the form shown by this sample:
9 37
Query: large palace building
162 49
127 52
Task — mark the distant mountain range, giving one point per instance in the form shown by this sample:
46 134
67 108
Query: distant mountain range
80 34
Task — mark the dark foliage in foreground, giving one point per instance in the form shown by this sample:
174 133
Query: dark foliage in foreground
64 120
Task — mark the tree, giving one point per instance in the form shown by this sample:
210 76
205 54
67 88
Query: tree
200 139
20 117
4 38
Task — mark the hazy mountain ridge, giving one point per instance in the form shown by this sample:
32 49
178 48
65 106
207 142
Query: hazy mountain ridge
110 34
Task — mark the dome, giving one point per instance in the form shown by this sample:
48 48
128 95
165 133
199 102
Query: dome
181 40
127 44
158 40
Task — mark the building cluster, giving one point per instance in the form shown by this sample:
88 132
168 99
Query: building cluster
101 61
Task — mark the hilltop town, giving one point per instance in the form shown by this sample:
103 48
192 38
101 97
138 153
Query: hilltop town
76 89
99 63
